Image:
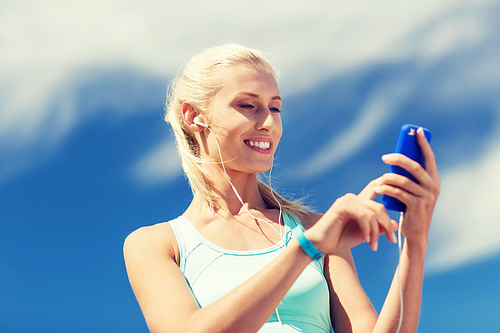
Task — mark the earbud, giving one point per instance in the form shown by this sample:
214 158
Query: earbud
197 121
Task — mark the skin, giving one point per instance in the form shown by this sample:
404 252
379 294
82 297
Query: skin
247 107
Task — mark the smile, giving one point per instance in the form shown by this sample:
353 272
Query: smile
259 144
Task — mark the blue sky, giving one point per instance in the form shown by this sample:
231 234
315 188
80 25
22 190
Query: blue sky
86 158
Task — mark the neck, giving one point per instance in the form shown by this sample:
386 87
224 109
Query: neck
236 191
244 196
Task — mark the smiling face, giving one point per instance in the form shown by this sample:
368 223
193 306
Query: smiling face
245 117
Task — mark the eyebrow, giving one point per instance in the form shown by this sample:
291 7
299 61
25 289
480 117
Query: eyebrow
256 96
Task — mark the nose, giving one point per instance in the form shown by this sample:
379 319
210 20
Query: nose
268 120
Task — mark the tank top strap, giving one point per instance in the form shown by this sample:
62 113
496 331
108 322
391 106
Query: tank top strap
186 240
289 221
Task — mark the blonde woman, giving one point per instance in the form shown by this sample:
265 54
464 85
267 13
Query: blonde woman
243 259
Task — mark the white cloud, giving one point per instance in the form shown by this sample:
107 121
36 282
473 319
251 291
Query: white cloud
457 28
159 165
466 224
44 42
452 33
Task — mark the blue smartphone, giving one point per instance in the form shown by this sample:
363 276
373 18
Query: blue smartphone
407 145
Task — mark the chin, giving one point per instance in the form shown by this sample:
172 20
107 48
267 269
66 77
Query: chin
255 166
263 169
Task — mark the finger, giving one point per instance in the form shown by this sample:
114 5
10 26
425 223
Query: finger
395 227
368 217
385 223
369 191
355 214
429 157
390 235
413 167
365 218
397 193
380 213
367 222
375 232
402 182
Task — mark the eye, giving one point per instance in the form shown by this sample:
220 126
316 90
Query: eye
273 109
246 106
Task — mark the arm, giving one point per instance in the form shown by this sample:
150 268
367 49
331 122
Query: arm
351 309
168 304
412 269
167 301
420 200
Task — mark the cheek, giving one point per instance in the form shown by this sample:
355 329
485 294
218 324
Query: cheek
279 129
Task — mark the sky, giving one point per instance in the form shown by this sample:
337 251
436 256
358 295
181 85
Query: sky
66 67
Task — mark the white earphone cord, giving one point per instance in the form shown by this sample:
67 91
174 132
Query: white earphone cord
280 233
399 274
279 223
239 197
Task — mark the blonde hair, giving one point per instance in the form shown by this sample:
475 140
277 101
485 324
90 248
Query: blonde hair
197 84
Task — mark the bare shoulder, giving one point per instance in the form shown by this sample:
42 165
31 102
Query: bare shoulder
153 271
158 239
310 218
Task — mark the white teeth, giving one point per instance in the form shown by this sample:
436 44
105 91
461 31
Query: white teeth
259 144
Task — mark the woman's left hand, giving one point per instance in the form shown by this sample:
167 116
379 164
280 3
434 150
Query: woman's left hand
420 198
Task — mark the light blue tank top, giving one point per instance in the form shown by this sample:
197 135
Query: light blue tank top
212 272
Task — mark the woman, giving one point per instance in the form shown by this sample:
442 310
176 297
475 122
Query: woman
230 263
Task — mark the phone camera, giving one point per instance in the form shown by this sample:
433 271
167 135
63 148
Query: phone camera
411 131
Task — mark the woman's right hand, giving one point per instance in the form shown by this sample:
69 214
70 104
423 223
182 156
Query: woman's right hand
352 220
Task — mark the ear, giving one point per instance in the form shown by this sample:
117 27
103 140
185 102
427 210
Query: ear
188 115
